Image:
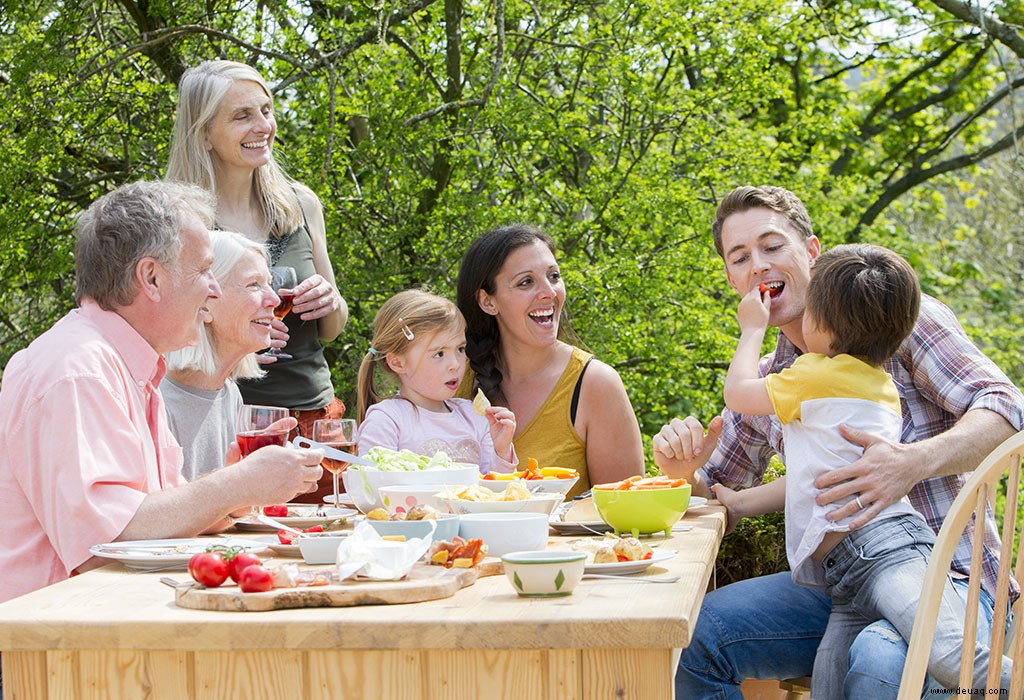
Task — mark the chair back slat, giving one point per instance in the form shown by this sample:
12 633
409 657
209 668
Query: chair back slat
973 588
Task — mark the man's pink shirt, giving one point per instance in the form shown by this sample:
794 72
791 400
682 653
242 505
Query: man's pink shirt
77 453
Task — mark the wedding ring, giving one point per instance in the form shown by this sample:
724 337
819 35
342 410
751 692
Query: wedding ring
859 504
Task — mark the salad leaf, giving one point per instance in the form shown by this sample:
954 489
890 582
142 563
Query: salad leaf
405 460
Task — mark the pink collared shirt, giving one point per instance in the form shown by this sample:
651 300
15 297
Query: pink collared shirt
78 450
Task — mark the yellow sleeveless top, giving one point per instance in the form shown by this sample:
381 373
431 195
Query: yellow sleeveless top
550 438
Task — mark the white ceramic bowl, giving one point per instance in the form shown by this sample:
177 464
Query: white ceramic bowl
447 527
538 503
544 574
363 484
322 549
559 486
399 499
506 532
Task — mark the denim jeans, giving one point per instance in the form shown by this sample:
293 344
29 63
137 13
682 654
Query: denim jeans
877 573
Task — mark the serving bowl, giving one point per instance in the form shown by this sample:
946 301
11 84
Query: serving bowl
644 511
506 532
559 486
321 548
544 574
363 484
544 503
400 499
447 527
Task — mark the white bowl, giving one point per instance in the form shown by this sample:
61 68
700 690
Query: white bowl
547 573
446 527
538 503
559 486
322 549
506 532
362 484
399 499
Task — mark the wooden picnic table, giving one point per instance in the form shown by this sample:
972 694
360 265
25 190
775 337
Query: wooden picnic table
116 633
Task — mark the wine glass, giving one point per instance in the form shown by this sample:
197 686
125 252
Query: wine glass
259 426
339 433
283 281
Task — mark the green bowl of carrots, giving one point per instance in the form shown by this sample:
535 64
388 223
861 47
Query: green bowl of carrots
642 506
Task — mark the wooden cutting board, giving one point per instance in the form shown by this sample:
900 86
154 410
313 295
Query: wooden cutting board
424 582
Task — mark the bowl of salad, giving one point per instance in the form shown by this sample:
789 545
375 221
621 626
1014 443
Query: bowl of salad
402 468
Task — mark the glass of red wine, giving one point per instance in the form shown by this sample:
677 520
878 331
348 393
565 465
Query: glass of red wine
259 426
339 433
283 281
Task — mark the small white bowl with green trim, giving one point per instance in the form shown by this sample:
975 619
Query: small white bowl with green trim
546 573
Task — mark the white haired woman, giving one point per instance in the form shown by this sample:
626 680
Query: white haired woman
199 390
223 141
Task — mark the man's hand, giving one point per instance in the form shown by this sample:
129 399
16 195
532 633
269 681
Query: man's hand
884 474
682 447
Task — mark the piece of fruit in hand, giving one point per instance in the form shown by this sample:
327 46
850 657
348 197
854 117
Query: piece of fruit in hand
480 402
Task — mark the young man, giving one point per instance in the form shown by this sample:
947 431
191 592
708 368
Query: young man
86 456
957 406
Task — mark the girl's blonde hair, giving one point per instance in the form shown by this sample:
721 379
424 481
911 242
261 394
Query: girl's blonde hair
401 319
200 92
228 249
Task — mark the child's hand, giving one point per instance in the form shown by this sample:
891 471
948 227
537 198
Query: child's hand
503 427
730 499
754 310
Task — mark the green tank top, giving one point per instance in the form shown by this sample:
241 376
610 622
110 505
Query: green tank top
304 382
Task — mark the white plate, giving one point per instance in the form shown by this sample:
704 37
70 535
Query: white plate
622 568
579 528
696 502
146 555
333 514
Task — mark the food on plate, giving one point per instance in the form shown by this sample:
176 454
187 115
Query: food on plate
419 512
481 402
515 491
291 576
612 549
277 511
457 553
239 562
208 568
533 472
378 514
605 555
631 549
287 537
636 483
255 579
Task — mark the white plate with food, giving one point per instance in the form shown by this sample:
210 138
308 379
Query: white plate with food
622 568
147 555
300 515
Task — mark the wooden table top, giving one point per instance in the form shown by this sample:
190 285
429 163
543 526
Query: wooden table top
116 608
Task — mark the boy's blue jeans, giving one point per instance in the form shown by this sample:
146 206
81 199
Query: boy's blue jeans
769 627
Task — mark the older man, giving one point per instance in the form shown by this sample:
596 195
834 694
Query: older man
957 406
86 456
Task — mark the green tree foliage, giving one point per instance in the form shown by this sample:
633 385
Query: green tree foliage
616 126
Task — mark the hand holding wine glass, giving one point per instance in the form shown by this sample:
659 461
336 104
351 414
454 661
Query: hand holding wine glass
283 281
260 426
339 433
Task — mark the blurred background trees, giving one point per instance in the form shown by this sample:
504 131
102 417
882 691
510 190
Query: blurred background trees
615 125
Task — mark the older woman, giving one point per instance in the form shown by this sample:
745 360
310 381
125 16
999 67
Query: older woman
199 390
223 141
571 409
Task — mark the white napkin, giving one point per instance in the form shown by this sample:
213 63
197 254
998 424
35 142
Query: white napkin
384 560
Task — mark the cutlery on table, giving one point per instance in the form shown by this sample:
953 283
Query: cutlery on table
332 452
267 520
645 579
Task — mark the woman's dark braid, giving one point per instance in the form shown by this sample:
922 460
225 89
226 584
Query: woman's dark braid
483 360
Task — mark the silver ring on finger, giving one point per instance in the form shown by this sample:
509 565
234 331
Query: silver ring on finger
859 504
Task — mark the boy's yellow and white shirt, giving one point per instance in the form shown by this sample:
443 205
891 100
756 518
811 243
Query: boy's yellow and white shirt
812 398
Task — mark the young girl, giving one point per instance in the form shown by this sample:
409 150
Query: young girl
420 339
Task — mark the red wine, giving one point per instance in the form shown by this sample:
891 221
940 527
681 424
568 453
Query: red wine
250 442
336 466
285 306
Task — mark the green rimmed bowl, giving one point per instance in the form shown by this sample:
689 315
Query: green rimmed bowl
545 573
642 512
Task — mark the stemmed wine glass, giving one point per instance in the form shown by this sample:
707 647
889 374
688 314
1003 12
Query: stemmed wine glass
283 281
339 433
259 426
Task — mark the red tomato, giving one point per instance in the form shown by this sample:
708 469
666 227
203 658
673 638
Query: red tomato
314 528
772 291
285 537
240 562
208 568
280 511
255 579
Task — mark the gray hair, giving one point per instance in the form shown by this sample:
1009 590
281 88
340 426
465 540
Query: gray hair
228 249
138 220
200 92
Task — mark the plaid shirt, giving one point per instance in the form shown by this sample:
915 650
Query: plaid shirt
940 375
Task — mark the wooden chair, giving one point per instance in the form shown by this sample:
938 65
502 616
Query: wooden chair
978 493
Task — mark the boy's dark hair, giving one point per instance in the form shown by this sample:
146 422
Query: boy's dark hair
867 297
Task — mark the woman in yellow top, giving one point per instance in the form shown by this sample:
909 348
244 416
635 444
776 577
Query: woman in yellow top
571 409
